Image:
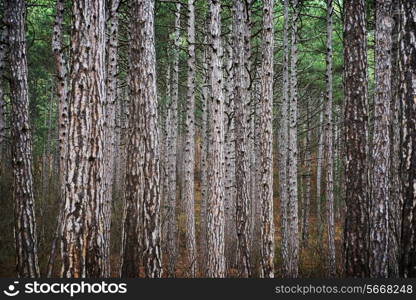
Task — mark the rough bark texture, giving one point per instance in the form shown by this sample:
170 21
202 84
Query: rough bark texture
319 160
215 159
122 122
283 144
189 155
3 54
110 123
82 241
61 86
131 248
62 92
172 156
379 223
164 123
306 180
266 145
329 149
144 110
241 106
356 136
204 149
255 178
24 207
395 203
293 239
229 158
408 163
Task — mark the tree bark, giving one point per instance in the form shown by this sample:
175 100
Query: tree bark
204 150
241 105
164 154
229 156
172 149
408 157
27 265
356 140
306 180
110 123
283 146
266 145
189 155
293 242
62 92
379 218
143 174
215 158
319 160
396 201
256 205
61 86
82 241
329 149
3 56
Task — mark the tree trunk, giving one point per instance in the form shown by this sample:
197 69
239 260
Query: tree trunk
283 146
82 241
395 202
356 137
408 163
329 149
143 174
131 249
61 87
241 106
204 150
256 205
215 158
46 170
165 160
110 122
62 92
266 145
319 160
293 241
229 157
24 210
307 181
189 159
172 159
3 55
379 223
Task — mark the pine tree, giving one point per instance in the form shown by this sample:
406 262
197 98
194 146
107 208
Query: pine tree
293 239
172 141
356 135
241 104
379 223
189 155
83 216
24 207
408 157
329 149
283 144
266 145
215 158
110 122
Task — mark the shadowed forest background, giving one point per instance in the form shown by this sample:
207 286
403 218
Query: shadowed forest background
207 138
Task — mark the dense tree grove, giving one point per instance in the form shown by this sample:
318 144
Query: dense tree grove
220 138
